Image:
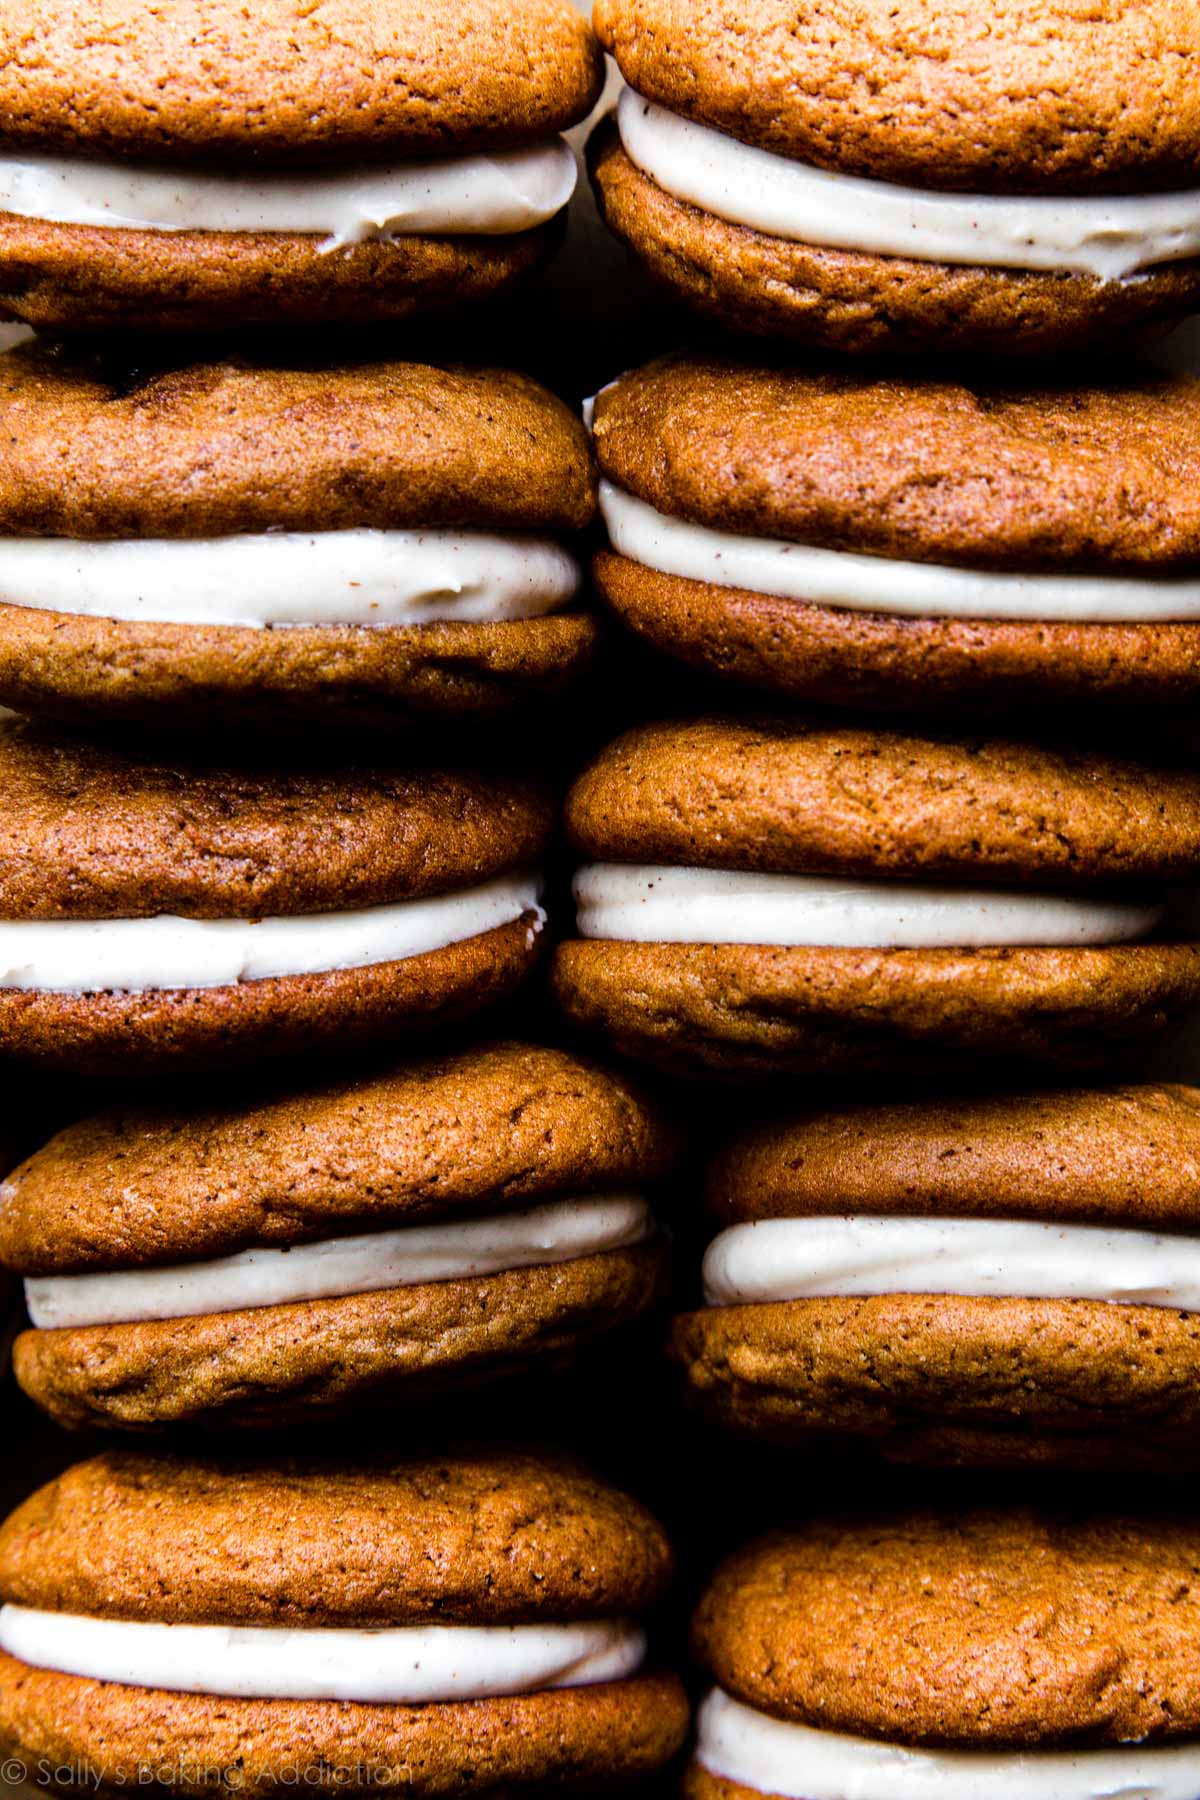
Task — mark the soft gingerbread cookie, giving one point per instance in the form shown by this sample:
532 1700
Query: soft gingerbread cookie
839 807
450 1144
1012 1372
1052 106
95 838
1062 100
510 1545
116 460
1024 484
871 1626
209 89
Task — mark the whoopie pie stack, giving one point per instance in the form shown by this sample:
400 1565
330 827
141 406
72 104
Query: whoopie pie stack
287 623
861 786
874 870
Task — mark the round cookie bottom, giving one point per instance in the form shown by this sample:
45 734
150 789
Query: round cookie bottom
837 657
74 668
276 1364
744 1011
953 1379
174 1029
94 277
576 1739
863 304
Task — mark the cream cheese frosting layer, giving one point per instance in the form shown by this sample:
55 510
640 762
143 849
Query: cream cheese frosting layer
1110 237
776 1757
450 1250
846 579
481 196
285 578
640 903
410 1665
87 956
772 1260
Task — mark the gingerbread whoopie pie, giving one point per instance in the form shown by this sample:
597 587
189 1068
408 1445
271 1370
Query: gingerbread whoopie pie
876 541
165 913
429 1627
865 178
376 545
383 1238
783 898
999 1654
208 163
1001 1279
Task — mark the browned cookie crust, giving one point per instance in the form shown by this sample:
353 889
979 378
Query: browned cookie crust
208 449
831 657
173 1030
569 1740
1096 474
87 832
742 1011
519 1538
860 304
787 798
490 1129
984 1628
1114 1156
943 1379
93 278
292 83
1063 101
281 1364
364 678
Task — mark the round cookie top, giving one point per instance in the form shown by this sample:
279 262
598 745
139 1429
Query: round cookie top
87 832
1122 1155
290 81
986 1628
1099 476
492 1129
97 449
474 1538
1020 96
796 799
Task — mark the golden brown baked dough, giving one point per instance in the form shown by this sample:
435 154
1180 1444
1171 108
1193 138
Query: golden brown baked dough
1006 97
792 798
483 1130
979 1628
514 1537
291 83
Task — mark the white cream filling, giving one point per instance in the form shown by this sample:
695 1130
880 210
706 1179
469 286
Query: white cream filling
1109 237
451 1250
89 956
482 196
639 903
771 1260
773 1756
293 578
878 584
409 1665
